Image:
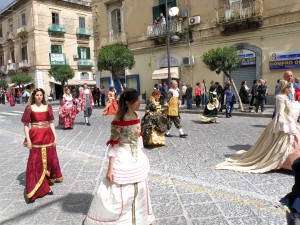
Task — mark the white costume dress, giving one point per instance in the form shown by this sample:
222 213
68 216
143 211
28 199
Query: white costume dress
126 201
277 147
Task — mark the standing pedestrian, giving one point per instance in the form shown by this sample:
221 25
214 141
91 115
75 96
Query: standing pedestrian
43 164
96 96
189 96
2 96
253 94
244 94
87 103
204 93
26 96
198 94
19 94
261 95
229 101
172 110
7 95
103 95
183 93
123 196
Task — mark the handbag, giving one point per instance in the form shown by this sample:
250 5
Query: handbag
233 100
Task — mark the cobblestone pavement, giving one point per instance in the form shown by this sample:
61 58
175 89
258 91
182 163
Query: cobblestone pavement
185 187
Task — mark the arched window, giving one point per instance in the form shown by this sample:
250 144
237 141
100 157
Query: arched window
115 21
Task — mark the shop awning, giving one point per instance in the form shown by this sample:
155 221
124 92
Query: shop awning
163 73
77 82
15 86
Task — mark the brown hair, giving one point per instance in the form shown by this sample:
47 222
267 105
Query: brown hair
155 93
130 96
32 99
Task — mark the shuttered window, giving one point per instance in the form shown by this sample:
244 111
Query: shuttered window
56 49
84 53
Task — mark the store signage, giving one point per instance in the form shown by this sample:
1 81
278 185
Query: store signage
247 57
284 60
57 59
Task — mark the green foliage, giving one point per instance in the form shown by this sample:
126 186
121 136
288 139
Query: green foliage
21 78
3 84
114 58
61 73
222 60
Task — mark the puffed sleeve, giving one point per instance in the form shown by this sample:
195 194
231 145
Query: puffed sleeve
26 115
113 142
280 123
50 113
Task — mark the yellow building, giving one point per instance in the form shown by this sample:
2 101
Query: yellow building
38 34
264 32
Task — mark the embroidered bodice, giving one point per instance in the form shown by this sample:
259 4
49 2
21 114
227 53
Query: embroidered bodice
126 133
30 116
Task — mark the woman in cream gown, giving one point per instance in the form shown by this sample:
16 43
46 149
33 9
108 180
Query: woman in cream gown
278 145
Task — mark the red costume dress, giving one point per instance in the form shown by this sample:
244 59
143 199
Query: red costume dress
111 105
67 112
43 165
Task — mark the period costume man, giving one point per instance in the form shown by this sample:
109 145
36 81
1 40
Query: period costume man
87 103
172 111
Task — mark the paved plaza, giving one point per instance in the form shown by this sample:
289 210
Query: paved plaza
185 187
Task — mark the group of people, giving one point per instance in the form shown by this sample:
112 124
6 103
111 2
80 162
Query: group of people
19 97
123 199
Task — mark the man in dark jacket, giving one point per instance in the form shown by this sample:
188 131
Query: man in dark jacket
253 94
189 96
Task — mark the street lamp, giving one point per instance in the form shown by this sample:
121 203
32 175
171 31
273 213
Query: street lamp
172 12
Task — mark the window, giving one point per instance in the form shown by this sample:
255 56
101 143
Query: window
1 59
12 54
84 53
10 24
156 10
115 21
24 53
23 19
81 22
56 49
55 18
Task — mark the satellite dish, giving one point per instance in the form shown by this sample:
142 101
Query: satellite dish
173 11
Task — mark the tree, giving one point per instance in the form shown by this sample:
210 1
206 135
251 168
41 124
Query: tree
61 73
21 78
3 84
115 58
223 60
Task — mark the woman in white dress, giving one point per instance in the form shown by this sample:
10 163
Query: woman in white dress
123 196
278 145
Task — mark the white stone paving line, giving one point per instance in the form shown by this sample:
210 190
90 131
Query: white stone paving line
10 114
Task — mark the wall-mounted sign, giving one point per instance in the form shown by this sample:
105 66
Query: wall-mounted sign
247 57
57 59
284 60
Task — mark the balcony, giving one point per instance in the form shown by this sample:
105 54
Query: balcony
85 63
57 29
24 65
9 36
120 38
240 15
12 67
57 59
83 33
155 31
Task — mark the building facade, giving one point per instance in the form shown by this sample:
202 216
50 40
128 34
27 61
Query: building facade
38 34
264 32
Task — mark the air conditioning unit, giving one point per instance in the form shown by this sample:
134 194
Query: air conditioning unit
9 61
75 56
194 20
188 61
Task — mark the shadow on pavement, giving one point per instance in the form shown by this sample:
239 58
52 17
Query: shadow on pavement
73 202
262 126
240 147
22 178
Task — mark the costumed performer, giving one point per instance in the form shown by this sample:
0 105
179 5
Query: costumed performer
278 146
68 110
43 166
87 103
123 196
111 104
154 123
210 113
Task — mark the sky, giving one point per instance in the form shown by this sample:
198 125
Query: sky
4 3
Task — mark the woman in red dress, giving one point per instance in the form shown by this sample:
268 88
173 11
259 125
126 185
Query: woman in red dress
67 112
111 105
43 166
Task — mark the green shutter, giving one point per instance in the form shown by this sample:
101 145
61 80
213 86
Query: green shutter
155 12
79 52
172 4
60 49
162 2
52 48
88 53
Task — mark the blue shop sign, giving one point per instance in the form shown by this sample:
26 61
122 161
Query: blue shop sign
247 57
284 60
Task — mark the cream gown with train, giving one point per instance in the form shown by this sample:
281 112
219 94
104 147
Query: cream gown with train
278 145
